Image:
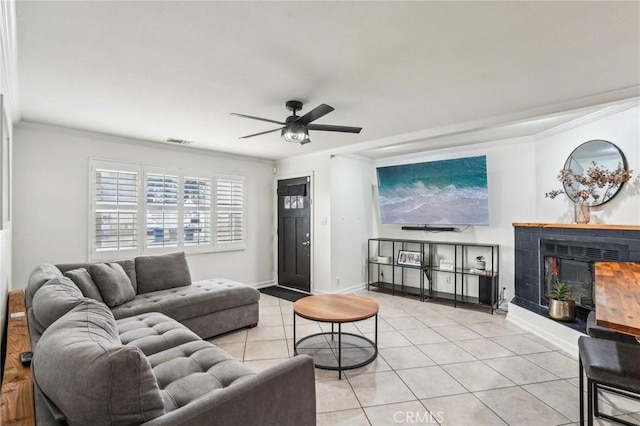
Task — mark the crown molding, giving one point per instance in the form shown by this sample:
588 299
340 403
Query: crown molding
616 100
117 139
606 111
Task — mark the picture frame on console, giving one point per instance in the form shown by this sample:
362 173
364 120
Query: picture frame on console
409 258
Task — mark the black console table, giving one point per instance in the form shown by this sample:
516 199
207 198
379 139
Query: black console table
435 270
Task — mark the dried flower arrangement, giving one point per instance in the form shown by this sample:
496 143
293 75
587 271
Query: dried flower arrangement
587 187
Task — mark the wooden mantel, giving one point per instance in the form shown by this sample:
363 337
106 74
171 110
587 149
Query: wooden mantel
578 226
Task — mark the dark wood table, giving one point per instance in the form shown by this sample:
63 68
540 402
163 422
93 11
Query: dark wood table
336 309
618 296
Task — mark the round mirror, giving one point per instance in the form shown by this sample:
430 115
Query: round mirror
594 173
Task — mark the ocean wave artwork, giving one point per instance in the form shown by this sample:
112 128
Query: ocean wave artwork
446 192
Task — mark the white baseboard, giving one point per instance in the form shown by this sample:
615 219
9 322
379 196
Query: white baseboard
262 284
561 336
345 290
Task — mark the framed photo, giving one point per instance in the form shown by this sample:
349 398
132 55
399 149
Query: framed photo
409 258
446 265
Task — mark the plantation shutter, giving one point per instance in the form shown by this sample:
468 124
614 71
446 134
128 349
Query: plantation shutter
116 210
162 210
197 211
141 209
229 211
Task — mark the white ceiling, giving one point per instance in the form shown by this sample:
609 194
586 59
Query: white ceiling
404 71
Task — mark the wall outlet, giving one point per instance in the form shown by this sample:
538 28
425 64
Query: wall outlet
448 280
337 281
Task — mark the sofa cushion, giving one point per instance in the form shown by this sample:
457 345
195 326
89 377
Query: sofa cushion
162 272
153 332
54 299
113 283
40 275
128 265
200 298
189 371
82 367
82 279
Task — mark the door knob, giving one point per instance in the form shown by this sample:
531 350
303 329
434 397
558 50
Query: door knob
306 243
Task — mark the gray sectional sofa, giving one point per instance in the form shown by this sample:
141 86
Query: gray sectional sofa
120 343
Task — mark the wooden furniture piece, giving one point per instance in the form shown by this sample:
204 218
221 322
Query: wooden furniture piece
617 287
351 350
457 282
17 385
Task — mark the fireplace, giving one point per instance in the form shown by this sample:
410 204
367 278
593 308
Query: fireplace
573 250
577 275
573 264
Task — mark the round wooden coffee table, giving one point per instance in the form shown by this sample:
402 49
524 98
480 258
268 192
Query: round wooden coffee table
336 351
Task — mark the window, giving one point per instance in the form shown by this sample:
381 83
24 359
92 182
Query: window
197 211
229 211
162 210
178 211
115 216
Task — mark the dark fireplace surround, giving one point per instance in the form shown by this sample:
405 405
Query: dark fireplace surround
573 249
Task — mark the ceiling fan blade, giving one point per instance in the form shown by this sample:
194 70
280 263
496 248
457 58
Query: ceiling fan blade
261 133
257 118
330 128
314 114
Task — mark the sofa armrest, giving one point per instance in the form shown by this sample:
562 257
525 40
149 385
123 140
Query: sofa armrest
282 395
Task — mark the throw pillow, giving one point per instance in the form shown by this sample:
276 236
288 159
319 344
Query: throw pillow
129 267
83 280
54 299
113 283
90 376
162 272
40 275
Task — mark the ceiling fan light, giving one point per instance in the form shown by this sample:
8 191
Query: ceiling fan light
295 133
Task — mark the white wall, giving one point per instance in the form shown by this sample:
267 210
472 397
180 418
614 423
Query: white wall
8 88
351 221
51 199
623 129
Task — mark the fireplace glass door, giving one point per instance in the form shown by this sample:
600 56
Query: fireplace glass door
577 275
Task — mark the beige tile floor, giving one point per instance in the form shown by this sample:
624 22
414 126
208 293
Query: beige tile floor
437 365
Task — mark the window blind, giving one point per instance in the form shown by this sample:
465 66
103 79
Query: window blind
162 210
116 212
197 211
147 209
229 211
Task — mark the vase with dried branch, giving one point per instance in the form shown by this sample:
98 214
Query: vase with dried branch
593 187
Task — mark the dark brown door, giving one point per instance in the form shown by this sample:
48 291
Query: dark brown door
294 233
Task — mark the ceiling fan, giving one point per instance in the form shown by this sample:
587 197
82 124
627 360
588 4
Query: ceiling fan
296 128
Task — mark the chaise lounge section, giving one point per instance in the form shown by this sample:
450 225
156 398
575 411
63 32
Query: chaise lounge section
159 284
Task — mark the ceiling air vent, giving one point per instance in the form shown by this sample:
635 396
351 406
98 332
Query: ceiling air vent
179 141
